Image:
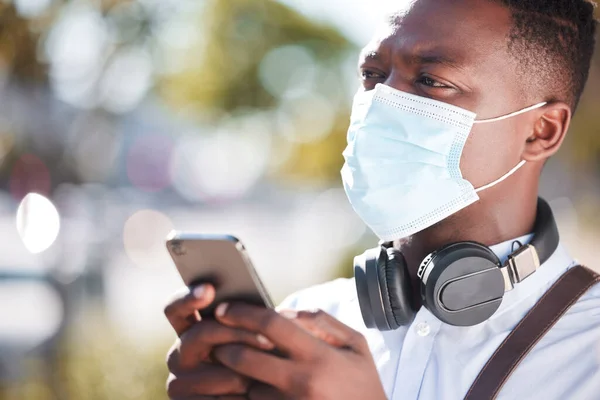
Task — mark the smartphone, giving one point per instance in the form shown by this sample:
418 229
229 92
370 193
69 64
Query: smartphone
221 260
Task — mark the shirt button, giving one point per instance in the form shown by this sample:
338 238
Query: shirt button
423 329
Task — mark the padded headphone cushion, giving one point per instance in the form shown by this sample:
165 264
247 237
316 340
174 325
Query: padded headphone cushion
382 266
396 290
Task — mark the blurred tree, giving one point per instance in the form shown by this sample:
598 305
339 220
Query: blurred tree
253 55
19 46
98 364
583 143
259 55
238 36
46 52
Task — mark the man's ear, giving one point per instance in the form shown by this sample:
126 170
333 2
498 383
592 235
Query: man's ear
549 131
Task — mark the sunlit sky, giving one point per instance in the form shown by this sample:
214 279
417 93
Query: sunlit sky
356 18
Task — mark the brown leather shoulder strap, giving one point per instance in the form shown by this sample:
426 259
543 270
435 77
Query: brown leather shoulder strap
538 321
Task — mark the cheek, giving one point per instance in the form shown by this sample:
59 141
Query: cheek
490 152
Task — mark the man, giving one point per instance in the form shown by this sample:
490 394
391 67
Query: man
525 61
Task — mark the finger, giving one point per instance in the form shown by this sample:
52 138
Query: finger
285 334
260 391
208 379
182 311
197 342
317 329
331 330
258 365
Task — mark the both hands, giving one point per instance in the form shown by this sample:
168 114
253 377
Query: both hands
230 357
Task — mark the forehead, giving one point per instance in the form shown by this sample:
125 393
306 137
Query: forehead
470 32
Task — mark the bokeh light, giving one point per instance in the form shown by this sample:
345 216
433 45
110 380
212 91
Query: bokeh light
76 47
179 36
307 118
35 313
288 71
32 8
94 152
148 162
144 236
224 164
38 222
187 167
126 80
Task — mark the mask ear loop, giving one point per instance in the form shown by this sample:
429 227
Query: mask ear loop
497 181
523 162
535 106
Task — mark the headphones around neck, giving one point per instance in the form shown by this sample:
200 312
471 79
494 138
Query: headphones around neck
461 284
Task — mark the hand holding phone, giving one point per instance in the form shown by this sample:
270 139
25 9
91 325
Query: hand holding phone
223 262
193 371
239 330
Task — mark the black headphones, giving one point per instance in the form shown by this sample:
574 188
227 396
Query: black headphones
461 284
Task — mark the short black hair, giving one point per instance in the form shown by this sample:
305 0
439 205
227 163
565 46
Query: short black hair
553 41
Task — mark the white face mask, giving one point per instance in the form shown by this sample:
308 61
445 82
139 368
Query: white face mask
402 171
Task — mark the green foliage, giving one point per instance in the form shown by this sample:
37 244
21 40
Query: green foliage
237 34
583 142
226 75
318 161
98 364
18 45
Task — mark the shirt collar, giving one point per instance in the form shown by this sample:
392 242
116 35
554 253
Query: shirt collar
504 249
537 283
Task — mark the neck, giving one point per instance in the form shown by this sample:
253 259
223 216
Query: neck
495 218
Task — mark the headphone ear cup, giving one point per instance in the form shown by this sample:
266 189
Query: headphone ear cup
396 289
383 288
462 284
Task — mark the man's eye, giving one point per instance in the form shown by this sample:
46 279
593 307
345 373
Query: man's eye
427 81
367 74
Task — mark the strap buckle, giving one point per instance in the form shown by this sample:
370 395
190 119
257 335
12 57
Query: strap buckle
520 265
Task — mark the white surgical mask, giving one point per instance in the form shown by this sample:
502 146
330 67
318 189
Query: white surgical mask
402 170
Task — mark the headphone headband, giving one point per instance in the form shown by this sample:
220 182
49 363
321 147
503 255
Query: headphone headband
527 258
545 232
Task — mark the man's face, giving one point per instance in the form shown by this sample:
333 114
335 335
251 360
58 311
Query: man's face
456 51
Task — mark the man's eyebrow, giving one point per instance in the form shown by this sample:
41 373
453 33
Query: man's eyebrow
436 59
416 59
369 55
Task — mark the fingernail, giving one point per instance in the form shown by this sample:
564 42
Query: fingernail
221 309
264 341
289 314
199 291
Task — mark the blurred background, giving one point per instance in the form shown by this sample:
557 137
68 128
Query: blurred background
123 119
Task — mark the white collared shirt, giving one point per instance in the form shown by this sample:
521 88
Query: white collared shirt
431 360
